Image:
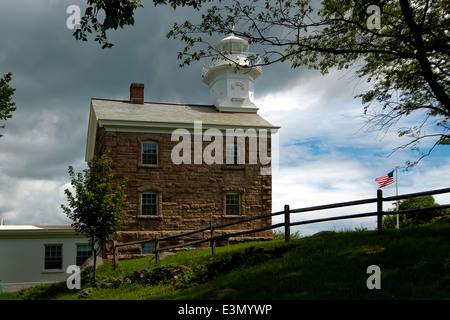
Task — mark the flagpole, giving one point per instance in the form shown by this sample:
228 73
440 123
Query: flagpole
396 191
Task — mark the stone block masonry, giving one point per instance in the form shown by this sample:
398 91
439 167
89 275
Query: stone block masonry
188 196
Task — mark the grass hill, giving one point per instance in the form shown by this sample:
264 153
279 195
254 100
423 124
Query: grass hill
414 264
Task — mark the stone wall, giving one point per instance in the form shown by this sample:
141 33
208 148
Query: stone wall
190 195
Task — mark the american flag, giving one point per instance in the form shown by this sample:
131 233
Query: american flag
385 180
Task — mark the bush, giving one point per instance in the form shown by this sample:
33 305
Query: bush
279 235
415 219
46 291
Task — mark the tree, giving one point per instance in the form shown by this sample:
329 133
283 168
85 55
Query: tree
117 13
418 218
400 47
95 209
6 103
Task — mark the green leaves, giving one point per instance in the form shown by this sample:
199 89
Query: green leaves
405 60
7 106
96 209
117 13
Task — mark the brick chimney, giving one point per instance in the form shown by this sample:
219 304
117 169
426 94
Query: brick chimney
137 93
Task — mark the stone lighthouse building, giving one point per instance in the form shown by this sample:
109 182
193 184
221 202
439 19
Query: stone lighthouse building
188 165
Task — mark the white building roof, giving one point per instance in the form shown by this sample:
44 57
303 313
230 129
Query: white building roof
18 231
34 228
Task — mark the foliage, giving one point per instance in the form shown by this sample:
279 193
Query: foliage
117 13
418 218
96 210
405 57
45 291
279 235
6 103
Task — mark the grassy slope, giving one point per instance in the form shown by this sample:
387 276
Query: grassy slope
414 263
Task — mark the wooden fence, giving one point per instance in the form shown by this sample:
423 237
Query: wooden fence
287 221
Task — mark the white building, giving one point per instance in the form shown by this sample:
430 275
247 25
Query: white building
31 255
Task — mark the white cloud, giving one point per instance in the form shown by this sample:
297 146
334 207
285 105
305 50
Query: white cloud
324 181
326 158
34 202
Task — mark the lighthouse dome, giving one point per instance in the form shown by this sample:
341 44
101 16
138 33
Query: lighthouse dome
230 74
232 44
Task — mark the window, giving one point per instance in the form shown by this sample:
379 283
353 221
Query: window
53 256
84 251
233 155
148 247
150 152
149 204
233 204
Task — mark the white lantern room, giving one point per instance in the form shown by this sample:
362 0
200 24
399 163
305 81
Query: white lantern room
231 76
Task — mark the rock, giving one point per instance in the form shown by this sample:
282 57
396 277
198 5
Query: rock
185 269
163 254
90 262
85 293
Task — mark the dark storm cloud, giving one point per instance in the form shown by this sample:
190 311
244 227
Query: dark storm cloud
55 77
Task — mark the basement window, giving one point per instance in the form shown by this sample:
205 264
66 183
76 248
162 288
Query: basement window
148 248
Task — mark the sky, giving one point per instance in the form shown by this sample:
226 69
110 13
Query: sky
325 154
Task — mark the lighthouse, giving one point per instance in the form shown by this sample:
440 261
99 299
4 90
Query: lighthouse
231 76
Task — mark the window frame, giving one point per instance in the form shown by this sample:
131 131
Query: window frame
236 155
152 246
52 259
235 205
143 154
78 258
156 204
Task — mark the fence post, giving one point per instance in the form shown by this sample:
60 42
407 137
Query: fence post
287 224
379 210
116 255
213 241
156 249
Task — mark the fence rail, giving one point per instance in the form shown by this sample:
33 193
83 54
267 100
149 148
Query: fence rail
287 224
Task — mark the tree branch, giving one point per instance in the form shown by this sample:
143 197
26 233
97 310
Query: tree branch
421 55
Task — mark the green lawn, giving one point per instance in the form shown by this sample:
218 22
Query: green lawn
414 264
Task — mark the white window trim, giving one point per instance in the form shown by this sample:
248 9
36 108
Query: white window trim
44 270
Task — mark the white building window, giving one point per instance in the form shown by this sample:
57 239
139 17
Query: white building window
150 152
53 256
84 251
